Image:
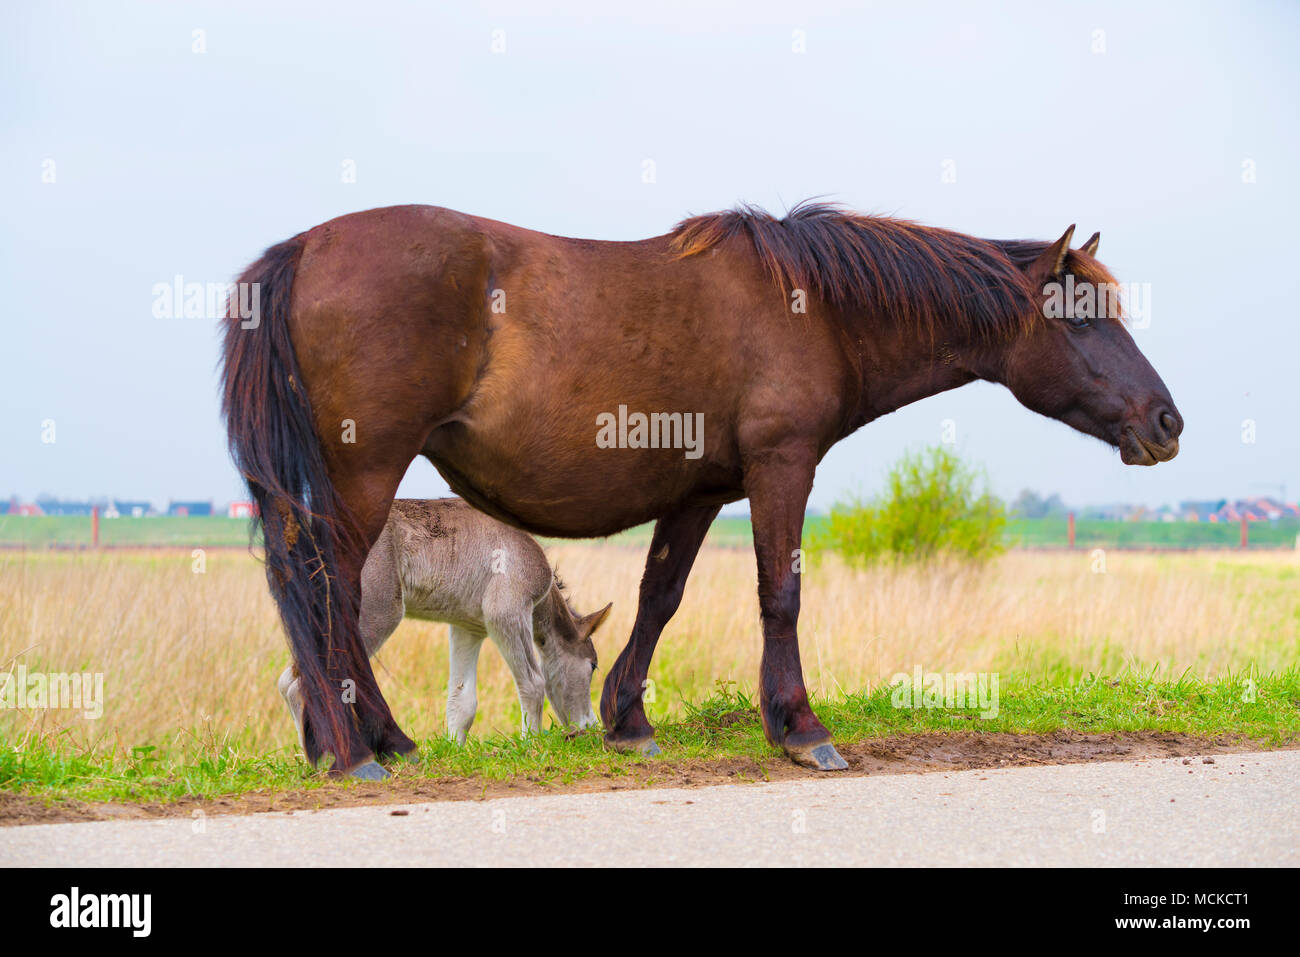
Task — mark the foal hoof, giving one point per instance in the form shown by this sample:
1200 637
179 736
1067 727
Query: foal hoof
370 771
821 757
645 746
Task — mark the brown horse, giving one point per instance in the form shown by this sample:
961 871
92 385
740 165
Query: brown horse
576 388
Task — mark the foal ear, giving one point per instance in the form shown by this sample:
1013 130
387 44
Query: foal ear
1090 247
588 624
1051 261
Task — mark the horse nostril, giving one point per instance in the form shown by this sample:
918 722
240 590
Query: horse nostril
1169 424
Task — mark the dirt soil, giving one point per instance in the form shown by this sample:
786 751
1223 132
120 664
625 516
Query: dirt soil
904 754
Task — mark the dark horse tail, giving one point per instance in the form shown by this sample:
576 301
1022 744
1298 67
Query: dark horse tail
274 444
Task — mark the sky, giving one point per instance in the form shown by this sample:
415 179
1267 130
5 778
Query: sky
144 141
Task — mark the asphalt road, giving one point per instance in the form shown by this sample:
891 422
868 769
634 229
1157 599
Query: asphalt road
1240 810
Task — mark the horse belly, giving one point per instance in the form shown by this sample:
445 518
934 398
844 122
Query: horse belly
558 481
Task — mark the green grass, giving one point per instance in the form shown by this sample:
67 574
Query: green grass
724 726
1099 533
206 532
49 531
44 531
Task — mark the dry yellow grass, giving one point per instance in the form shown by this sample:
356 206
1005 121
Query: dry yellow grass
192 658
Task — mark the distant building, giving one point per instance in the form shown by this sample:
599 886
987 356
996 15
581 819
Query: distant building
54 506
128 509
242 510
1257 509
1273 509
1200 511
191 509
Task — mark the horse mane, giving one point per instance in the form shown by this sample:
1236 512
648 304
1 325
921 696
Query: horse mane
934 281
1022 252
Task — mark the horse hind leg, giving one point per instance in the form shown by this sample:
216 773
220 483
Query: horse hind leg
382 610
290 686
368 495
291 690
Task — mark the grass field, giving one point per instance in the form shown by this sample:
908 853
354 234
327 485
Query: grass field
1200 642
1097 533
37 532
46 531
59 531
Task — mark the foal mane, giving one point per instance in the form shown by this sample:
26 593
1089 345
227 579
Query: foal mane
932 281
563 589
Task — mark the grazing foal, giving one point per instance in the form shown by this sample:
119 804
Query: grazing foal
443 561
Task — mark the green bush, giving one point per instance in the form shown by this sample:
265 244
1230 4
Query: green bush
931 508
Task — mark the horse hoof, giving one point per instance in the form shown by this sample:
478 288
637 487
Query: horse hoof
645 746
822 757
370 771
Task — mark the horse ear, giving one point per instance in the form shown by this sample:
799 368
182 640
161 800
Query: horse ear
588 624
1090 247
1051 261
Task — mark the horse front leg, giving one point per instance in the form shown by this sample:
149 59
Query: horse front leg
778 484
676 542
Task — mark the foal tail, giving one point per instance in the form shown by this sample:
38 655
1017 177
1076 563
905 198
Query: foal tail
274 444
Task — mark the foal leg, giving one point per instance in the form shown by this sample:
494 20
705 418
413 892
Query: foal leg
512 633
676 542
778 484
462 681
291 691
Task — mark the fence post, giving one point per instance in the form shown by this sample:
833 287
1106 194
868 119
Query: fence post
94 526
1071 534
1245 532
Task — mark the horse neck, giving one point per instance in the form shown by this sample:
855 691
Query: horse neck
896 367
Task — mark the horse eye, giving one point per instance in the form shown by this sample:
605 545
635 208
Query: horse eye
1077 322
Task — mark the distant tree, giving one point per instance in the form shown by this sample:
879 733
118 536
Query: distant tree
933 505
1029 504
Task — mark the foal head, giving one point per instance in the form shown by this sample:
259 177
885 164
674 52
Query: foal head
568 657
1076 361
